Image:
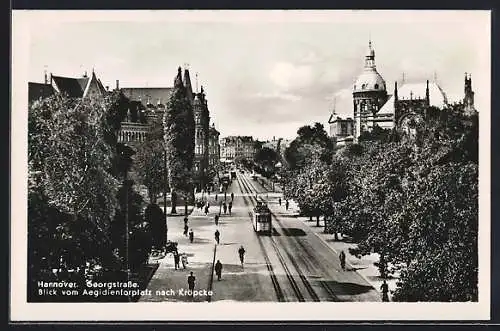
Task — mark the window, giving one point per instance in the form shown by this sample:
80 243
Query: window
376 86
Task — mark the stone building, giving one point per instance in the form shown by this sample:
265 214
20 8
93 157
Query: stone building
236 147
73 87
213 147
373 106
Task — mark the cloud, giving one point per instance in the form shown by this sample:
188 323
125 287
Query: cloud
278 96
286 75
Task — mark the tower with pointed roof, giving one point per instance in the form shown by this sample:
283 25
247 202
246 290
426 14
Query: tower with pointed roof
468 95
369 94
201 120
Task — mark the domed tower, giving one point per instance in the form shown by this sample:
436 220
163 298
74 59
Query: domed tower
369 94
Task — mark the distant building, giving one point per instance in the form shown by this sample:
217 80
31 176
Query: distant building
213 147
235 147
372 106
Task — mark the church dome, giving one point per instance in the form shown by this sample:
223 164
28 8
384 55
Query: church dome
370 79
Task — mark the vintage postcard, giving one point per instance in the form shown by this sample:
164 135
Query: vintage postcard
250 165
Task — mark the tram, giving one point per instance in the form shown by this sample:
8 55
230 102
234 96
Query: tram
262 218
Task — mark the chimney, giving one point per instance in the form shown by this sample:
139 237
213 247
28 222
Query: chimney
85 74
45 79
107 87
117 84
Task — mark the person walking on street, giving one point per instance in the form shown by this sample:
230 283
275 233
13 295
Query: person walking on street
218 269
230 207
385 291
286 204
216 196
232 196
176 260
206 209
241 253
191 235
217 236
184 260
191 281
224 206
279 201
185 220
216 219
342 260
186 228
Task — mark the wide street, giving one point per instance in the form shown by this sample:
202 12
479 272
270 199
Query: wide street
294 264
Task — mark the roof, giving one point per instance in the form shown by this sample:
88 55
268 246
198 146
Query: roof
437 97
74 87
335 118
154 94
39 90
369 80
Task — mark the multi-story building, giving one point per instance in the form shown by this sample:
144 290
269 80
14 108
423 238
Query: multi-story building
73 87
238 147
213 147
373 106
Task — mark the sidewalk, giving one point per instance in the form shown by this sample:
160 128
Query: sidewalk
363 266
167 284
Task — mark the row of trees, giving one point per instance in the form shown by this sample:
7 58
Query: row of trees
84 213
414 201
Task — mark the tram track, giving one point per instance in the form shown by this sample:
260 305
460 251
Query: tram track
244 183
274 279
307 284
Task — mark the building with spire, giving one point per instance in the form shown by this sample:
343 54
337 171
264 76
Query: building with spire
374 107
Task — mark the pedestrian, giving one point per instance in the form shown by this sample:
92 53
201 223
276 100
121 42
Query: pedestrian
230 207
176 260
385 291
184 260
191 281
217 236
206 210
186 227
224 206
216 197
218 269
185 220
232 196
216 219
286 204
241 253
191 235
279 201
342 260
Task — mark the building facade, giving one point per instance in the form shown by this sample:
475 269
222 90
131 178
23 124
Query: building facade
373 106
238 147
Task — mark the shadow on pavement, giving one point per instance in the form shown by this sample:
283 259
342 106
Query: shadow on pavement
347 288
294 232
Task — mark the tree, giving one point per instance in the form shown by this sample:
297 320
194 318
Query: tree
155 218
266 159
149 162
179 128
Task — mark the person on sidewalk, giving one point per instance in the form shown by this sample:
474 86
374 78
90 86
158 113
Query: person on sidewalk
191 235
224 207
232 196
230 207
217 236
241 253
342 260
279 201
385 291
216 217
184 260
186 228
191 281
186 220
287 204
218 269
176 260
216 197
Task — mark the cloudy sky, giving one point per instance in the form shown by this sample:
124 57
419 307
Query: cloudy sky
265 73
